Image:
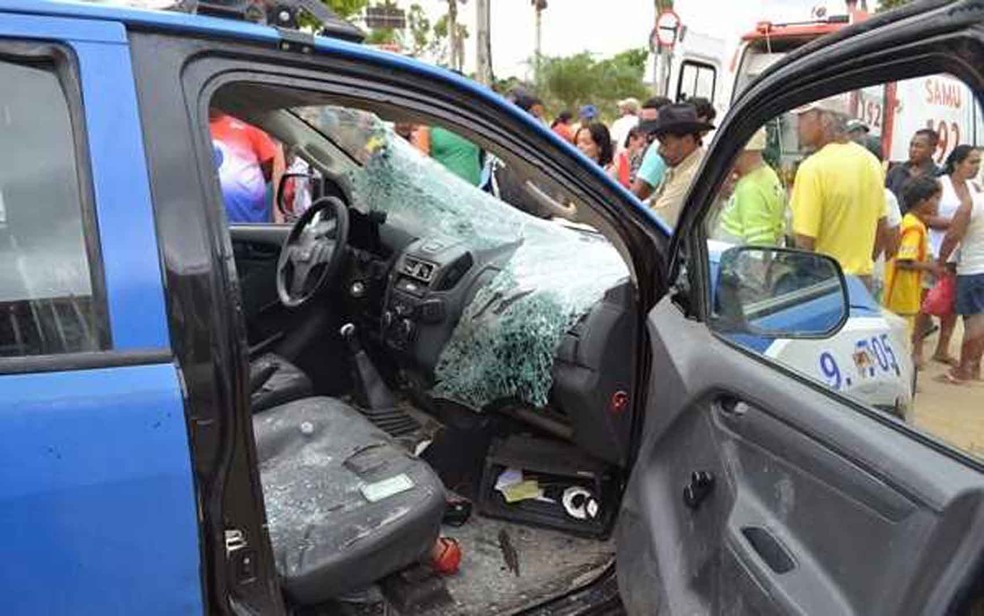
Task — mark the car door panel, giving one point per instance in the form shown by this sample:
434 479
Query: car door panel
97 493
86 515
817 506
756 489
257 248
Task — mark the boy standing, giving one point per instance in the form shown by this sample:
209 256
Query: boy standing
904 274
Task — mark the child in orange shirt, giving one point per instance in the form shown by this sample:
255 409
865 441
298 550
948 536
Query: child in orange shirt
904 274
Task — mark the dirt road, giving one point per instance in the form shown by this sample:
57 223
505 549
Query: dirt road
954 413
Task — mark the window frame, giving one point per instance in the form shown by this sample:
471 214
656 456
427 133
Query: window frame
690 249
63 65
699 66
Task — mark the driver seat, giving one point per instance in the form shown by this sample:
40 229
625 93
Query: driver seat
273 380
345 504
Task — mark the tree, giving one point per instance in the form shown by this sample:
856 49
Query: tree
346 9
887 5
572 81
448 49
420 31
382 36
420 37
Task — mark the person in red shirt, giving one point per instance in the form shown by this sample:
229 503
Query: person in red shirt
562 126
245 158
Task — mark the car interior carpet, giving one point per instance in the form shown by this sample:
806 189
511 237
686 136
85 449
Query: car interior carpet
508 567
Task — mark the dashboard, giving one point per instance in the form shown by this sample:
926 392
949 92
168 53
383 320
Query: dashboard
408 293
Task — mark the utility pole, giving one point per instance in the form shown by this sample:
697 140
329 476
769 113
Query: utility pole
483 55
538 8
453 32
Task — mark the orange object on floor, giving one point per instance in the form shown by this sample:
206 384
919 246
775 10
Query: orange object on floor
445 555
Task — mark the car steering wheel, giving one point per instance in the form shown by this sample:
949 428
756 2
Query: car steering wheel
313 251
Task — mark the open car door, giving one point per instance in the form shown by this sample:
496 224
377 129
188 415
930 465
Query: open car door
756 489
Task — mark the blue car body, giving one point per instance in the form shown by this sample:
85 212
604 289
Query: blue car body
98 492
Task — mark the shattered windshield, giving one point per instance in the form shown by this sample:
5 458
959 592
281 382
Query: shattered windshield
503 345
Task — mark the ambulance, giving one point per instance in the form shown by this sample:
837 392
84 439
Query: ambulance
893 112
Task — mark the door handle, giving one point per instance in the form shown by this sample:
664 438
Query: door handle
700 487
732 407
262 251
769 549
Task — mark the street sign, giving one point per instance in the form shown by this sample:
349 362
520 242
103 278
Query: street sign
386 16
667 29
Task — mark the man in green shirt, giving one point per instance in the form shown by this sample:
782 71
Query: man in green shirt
457 154
755 214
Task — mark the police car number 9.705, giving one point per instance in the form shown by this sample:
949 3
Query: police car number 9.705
871 356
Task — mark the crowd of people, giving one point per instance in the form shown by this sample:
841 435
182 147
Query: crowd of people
942 246
924 223
653 149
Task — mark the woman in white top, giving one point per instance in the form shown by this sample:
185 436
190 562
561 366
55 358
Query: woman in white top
967 231
962 166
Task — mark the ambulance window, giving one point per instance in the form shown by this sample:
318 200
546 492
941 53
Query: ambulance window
696 79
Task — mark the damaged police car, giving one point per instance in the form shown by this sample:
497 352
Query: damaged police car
405 394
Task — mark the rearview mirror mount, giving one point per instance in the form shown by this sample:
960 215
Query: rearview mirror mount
295 192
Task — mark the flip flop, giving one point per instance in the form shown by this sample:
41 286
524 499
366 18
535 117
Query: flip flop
930 330
946 360
949 379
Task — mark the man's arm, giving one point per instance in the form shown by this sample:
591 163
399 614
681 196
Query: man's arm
421 139
924 266
650 173
278 168
806 204
805 242
641 189
940 223
886 240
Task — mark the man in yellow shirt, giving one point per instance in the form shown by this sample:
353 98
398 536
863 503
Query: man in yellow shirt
838 202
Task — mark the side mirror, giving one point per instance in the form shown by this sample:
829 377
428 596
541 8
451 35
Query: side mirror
295 193
778 293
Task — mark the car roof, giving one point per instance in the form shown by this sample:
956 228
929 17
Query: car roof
164 20
217 28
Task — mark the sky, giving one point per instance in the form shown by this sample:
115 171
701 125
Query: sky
607 27
603 27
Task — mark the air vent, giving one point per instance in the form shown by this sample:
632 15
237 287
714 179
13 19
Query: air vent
418 270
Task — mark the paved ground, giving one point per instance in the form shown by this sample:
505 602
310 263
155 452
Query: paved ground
953 413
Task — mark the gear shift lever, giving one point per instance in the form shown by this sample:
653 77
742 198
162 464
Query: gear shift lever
377 395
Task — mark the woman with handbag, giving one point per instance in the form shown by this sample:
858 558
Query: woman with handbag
962 166
967 230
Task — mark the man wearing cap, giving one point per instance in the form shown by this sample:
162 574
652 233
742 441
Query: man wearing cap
629 110
859 133
837 201
653 168
755 213
678 130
